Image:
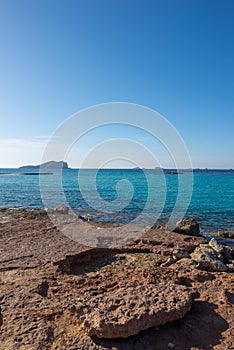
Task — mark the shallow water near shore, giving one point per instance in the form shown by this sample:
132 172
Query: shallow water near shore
212 203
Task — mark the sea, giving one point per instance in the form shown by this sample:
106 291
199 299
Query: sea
122 195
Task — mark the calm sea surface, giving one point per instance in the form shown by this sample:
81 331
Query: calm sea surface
212 202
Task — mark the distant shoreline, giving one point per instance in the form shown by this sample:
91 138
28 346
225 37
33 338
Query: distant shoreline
195 170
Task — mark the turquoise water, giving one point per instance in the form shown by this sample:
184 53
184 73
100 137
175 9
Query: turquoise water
212 202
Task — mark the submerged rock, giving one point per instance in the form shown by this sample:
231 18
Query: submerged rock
187 226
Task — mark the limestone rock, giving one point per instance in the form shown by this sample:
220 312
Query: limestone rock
187 226
225 234
130 310
219 248
215 245
208 258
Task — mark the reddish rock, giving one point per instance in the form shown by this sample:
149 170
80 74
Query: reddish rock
48 282
129 310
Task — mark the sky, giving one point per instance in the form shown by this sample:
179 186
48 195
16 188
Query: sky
58 57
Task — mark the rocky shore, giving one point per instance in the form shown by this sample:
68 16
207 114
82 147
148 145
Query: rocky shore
163 291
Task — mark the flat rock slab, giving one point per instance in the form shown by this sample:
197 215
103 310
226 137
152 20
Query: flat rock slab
130 310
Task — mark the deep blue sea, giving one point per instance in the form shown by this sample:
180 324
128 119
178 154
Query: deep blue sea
212 202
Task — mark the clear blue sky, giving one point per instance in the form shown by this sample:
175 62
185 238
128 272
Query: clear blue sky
177 57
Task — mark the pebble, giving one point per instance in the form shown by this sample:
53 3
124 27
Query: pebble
179 254
171 345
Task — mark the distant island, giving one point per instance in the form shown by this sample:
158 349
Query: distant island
47 165
157 170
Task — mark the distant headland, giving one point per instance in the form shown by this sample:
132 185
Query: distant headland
47 165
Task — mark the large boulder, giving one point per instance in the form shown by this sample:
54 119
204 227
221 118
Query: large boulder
208 258
187 226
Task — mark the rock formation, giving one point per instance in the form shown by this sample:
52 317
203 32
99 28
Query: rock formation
58 295
47 165
225 234
187 226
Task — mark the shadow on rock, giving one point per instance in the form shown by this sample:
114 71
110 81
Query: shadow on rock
202 328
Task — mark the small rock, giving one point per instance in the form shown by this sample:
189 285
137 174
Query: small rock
180 254
230 267
42 289
187 226
170 345
62 209
168 262
48 210
227 257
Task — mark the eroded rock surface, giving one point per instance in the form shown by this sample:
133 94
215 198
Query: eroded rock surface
208 258
225 234
130 310
220 249
56 294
